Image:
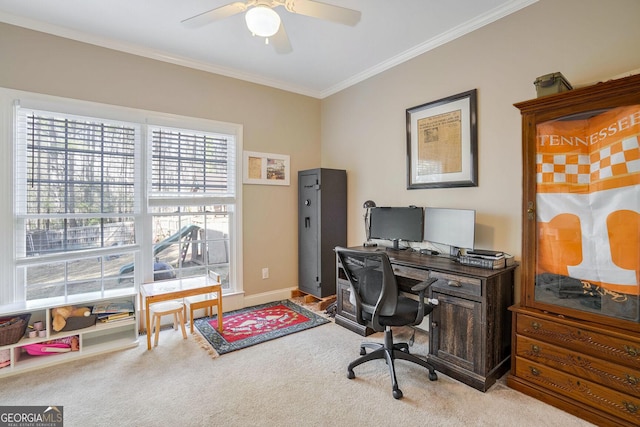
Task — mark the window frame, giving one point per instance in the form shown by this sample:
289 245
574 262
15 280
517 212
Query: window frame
9 262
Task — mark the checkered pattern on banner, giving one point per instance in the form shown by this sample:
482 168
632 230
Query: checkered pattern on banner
619 158
563 168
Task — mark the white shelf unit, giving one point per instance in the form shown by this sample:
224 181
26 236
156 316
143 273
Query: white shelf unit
97 339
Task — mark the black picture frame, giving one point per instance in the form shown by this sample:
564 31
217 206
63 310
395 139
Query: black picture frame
442 143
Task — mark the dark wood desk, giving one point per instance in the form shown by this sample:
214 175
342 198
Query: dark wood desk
470 298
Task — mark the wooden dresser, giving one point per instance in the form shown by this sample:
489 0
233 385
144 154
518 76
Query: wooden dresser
581 367
576 330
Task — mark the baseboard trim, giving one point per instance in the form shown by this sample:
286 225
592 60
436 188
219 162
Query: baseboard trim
265 297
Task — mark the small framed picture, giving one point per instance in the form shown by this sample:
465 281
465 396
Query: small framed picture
266 168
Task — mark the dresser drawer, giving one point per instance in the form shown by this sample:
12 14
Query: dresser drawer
580 340
618 377
621 405
456 285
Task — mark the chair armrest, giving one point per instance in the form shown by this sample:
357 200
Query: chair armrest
424 285
420 288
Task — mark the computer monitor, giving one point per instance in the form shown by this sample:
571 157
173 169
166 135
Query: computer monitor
452 227
397 223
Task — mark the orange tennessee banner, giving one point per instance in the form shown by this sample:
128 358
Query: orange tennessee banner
588 185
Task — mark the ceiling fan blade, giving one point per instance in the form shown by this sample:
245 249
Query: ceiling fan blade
214 15
329 12
280 41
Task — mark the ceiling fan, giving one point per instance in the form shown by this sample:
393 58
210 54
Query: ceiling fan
262 20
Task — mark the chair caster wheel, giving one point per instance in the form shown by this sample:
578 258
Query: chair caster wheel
433 376
363 351
351 375
397 394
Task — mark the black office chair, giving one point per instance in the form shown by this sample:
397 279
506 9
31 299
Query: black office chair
379 306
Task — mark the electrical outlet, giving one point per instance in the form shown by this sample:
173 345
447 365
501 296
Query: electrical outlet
265 273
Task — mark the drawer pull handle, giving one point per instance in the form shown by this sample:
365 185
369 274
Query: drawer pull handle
632 379
535 349
631 351
630 407
454 283
534 371
535 325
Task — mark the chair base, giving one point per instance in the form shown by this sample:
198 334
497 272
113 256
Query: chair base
389 352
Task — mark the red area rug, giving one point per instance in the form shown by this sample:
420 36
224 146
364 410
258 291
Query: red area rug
254 325
256 322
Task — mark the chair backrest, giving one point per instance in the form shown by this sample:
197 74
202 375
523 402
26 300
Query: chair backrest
373 285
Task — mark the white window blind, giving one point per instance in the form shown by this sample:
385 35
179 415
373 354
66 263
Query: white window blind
191 163
75 181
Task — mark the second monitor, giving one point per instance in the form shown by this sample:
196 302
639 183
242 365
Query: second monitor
452 227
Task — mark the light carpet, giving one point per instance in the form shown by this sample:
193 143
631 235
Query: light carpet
299 379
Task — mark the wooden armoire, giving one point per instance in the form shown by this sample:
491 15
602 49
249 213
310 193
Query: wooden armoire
576 328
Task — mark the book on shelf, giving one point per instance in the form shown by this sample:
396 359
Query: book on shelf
115 316
111 307
116 320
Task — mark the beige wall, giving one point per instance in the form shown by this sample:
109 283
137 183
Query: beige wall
274 121
363 127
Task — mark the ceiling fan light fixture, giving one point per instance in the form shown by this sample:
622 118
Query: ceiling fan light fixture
262 21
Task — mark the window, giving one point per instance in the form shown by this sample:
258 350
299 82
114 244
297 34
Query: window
191 202
192 241
102 204
74 192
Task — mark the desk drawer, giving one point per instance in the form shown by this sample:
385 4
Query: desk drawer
456 285
410 272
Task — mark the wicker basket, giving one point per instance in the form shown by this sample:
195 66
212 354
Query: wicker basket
12 330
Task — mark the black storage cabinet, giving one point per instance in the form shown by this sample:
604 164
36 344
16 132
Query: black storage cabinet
322 225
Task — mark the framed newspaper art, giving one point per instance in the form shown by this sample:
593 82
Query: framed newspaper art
265 168
442 143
